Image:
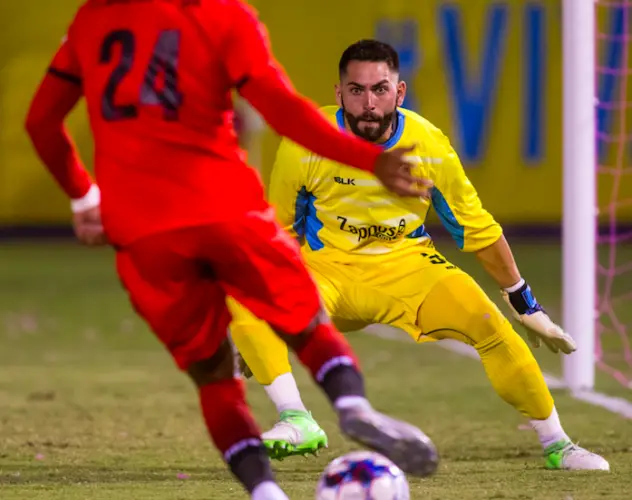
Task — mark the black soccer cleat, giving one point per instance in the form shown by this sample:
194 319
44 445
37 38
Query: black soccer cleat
404 444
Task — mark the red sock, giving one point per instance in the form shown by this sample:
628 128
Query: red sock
326 349
235 432
227 416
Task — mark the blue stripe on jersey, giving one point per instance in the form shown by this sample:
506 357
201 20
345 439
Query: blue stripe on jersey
340 118
400 122
420 232
456 230
306 223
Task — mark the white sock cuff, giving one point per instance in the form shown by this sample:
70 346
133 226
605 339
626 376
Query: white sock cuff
345 402
284 393
331 364
240 446
550 429
268 491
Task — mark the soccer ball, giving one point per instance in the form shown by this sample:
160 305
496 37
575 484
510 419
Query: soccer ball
362 475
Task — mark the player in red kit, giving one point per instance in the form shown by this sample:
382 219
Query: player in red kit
188 217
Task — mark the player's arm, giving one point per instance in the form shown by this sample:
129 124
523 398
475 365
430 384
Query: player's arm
57 94
457 204
475 230
286 180
498 261
459 208
261 80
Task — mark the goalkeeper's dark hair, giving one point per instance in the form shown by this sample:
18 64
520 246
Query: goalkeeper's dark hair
369 50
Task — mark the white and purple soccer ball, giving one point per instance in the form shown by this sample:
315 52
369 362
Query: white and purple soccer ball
362 475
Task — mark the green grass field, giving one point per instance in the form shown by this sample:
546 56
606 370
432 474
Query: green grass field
91 406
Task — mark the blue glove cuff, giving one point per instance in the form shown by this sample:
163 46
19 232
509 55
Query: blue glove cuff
523 300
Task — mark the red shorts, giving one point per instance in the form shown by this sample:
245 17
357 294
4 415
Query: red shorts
178 281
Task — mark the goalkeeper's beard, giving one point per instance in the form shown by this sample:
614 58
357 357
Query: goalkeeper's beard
369 134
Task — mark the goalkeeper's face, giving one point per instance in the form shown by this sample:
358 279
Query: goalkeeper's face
369 93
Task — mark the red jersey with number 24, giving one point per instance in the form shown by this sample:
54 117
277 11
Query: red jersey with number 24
157 77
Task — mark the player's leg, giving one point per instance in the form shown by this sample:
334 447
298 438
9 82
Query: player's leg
264 354
457 308
188 314
260 265
296 432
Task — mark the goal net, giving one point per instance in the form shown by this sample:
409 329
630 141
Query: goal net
597 257
613 353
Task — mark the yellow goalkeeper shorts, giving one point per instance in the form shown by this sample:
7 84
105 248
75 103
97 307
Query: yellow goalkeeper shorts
387 291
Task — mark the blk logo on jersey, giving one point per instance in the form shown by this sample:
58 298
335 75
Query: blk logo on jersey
346 182
374 231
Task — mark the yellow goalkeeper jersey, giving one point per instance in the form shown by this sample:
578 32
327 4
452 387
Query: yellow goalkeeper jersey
345 214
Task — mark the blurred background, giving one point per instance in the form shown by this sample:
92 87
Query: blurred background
489 73
93 408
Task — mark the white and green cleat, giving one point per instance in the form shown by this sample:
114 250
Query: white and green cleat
564 455
296 433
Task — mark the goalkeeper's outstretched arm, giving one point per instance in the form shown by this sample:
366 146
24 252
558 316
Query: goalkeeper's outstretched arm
498 261
475 230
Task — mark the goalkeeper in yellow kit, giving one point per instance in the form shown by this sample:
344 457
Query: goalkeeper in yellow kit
374 262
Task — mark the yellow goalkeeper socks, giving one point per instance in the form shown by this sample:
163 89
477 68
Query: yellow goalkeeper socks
457 308
515 374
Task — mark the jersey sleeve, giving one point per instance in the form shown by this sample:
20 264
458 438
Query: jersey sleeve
246 49
65 64
58 93
253 70
457 204
286 182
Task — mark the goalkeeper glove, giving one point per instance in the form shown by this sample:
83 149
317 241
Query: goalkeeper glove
533 317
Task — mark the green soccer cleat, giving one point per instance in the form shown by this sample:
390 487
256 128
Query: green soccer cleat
564 455
296 433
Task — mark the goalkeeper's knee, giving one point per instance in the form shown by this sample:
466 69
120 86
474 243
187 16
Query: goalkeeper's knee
457 308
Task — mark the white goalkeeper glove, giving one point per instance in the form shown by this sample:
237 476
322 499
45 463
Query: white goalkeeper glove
533 317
